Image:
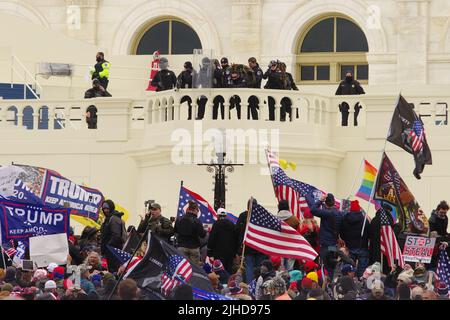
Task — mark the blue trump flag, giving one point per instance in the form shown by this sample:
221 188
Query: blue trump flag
20 221
48 188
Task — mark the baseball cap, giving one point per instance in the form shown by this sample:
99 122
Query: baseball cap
50 284
346 268
51 267
221 212
155 205
224 60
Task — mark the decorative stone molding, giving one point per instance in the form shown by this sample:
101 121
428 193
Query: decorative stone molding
24 10
300 17
83 3
136 18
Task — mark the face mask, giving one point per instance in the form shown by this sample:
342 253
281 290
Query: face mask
349 79
99 59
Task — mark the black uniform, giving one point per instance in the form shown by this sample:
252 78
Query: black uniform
164 80
273 82
218 100
253 100
235 101
286 104
184 81
349 87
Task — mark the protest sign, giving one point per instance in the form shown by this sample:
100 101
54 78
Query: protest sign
21 221
418 249
48 188
47 249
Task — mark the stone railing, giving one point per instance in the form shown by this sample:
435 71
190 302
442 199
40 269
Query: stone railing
124 114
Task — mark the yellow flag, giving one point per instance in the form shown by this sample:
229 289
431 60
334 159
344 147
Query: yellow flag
285 164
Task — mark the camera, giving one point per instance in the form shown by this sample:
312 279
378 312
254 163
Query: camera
148 203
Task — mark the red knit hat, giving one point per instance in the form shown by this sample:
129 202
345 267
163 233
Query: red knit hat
310 266
354 206
276 261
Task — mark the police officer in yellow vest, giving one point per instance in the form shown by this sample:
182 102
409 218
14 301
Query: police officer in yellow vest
101 70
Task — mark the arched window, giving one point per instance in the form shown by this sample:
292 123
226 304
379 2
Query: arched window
329 48
169 36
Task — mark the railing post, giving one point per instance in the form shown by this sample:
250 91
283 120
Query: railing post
51 118
112 119
226 106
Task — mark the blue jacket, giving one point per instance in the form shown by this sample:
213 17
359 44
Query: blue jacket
330 222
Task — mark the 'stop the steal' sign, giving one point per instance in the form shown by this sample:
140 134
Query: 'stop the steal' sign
418 249
48 188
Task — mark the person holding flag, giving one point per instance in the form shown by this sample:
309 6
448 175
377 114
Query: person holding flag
189 230
330 225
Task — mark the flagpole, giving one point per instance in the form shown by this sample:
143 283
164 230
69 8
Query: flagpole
270 172
379 167
249 212
356 177
3 257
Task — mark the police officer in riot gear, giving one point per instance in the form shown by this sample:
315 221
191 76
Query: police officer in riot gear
349 87
184 81
164 79
286 104
258 74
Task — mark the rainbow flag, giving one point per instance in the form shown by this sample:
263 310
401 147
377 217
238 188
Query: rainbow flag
364 192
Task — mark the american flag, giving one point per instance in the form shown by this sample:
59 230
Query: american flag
123 257
9 249
207 213
269 235
292 190
443 269
388 242
417 135
205 295
178 270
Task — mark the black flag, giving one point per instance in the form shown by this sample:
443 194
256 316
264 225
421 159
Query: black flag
163 268
407 132
132 242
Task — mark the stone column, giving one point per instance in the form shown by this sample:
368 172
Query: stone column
86 29
412 41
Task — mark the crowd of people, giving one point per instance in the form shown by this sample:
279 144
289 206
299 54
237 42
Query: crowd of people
348 266
213 73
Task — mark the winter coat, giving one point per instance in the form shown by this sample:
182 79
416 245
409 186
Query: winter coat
189 230
437 224
223 239
330 222
352 224
349 88
113 231
164 80
160 226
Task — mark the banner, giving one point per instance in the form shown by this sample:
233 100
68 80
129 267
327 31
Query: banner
48 188
47 249
21 221
390 188
418 249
